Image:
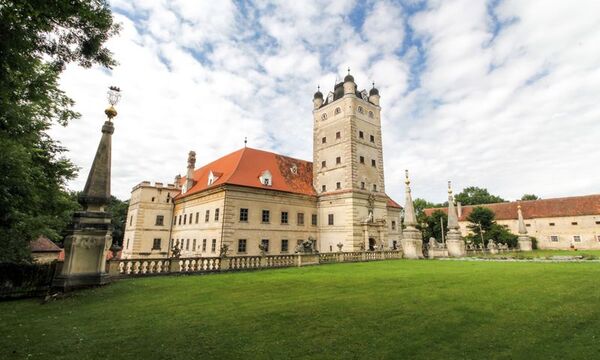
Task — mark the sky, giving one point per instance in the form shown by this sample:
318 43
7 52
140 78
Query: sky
501 94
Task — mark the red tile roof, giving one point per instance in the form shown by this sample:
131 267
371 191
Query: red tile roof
43 244
245 166
392 203
545 208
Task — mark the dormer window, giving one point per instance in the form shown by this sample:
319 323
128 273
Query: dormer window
294 169
266 178
213 177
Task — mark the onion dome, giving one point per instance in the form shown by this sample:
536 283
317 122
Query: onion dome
373 91
318 95
349 78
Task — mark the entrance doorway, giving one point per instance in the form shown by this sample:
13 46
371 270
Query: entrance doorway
371 244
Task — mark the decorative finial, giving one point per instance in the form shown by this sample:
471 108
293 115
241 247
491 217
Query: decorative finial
245 141
373 84
348 70
114 95
449 187
407 181
318 87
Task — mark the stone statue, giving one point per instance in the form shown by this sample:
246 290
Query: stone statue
175 250
307 246
340 246
371 207
223 251
432 243
263 249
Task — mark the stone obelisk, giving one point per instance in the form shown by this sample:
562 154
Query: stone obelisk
525 243
454 241
412 240
90 232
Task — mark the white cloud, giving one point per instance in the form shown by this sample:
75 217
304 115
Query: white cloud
514 111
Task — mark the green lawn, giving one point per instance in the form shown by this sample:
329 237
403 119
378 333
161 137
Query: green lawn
545 254
391 309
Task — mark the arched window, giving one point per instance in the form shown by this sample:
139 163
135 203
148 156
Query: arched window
338 111
324 116
361 110
371 114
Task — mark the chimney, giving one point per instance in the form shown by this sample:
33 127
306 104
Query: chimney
189 180
459 208
177 181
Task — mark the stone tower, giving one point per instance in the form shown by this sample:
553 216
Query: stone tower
348 168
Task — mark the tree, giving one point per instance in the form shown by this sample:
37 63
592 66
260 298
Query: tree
481 216
37 40
530 197
420 205
433 225
473 195
118 211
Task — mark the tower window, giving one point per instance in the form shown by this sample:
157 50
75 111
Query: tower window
338 110
362 185
330 219
374 187
153 199
361 110
338 160
338 185
324 188
323 163
373 163
574 223
362 159
393 225
371 114
324 140
361 135
551 224
324 116
576 238
372 138
338 135
554 238
160 219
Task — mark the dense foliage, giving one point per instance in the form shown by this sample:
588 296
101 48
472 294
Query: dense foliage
37 40
433 225
473 195
530 197
482 219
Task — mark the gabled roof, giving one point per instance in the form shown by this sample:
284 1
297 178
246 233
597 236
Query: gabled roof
393 204
244 167
43 244
545 208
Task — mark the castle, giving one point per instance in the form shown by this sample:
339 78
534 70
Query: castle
252 200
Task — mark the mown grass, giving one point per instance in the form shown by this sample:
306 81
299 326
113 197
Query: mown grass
544 254
391 309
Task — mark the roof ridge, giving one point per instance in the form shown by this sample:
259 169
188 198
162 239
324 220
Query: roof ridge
237 165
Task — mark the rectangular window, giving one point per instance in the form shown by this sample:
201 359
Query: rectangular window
528 225
574 223
323 140
284 245
338 135
324 188
338 185
284 217
131 220
242 245
554 238
362 185
194 245
323 163
185 219
197 216
300 218
576 238
372 138
213 246
597 237
217 214
313 219
179 219
203 244
127 246
330 219
243 214
187 244
362 159
207 216
374 187
266 216
338 160
551 224
160 219
174 220
156 244
598 222
393 225
265 244
361 135
373 163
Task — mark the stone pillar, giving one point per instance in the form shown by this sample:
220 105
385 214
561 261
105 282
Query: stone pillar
412 240
90 232
525 243
225 263
454 241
